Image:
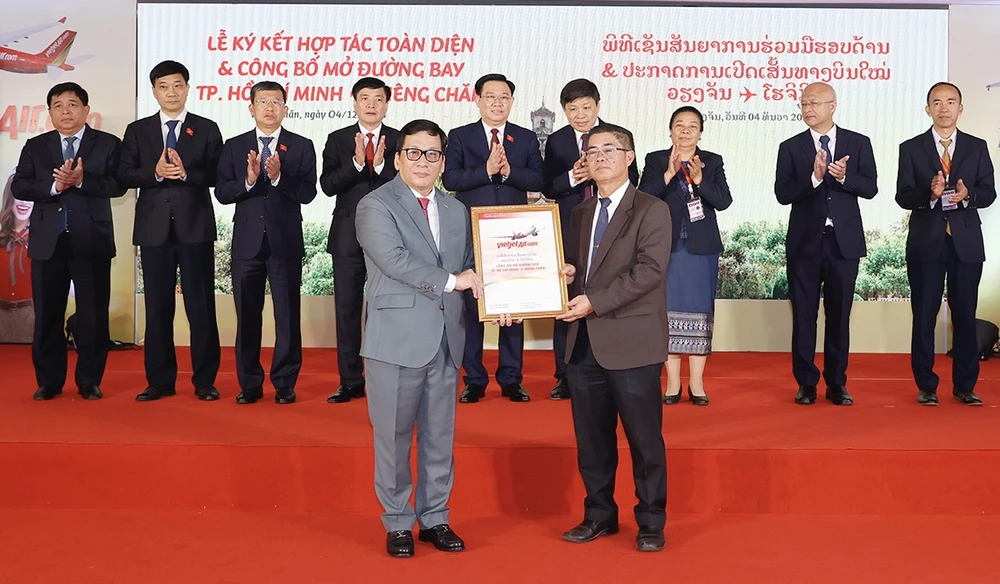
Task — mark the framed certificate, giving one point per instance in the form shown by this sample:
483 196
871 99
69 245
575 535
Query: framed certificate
519 255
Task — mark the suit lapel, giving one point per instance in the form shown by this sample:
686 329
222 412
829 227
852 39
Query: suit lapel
930 148
842 142
154 134
412 208
55 149
443 202
188 129
87 144
961 149
584 229
618 220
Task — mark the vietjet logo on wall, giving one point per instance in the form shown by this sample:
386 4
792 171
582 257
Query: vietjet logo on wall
52 60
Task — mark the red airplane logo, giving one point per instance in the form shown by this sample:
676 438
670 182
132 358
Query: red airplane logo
515 235
51 60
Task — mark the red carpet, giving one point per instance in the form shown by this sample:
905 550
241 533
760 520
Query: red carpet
760 489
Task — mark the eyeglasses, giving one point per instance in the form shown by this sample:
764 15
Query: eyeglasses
490 98
414 154
812 104
267 102
607 152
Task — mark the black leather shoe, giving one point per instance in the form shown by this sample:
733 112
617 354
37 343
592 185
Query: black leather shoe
650 539
968 398
838 395
443 538
927 398
515 392
590 530
208 393
560 391
153 393
284 395
472 393
47 392
399 544
250 396
806 395
672 400
346 393
698 400
90 391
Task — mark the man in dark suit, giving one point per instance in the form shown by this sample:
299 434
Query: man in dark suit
269 173
71 174
945 177
568 182
617 340
172 158
821 173
492 162
354 165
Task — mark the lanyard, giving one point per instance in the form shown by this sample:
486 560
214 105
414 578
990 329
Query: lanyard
687 177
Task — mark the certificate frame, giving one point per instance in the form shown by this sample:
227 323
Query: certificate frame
519 255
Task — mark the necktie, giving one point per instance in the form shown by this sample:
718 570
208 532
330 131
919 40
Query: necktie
69 153
946 167
824 141
602 226
370 153
265 153
172 134
424 201
588 188
495 139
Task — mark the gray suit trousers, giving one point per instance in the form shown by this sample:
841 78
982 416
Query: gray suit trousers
398 398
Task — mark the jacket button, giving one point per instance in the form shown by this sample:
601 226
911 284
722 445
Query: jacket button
266 197
261 217
442 307
167 200
59 209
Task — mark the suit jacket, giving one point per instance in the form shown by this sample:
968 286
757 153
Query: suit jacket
341 179
703 236
408 310
188 201
627 285
918 163
91 231
276 209
561 153
811 206
465 166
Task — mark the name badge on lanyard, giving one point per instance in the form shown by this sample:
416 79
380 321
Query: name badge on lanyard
695 210
949 192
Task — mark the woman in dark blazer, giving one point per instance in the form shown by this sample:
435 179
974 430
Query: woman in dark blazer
693 182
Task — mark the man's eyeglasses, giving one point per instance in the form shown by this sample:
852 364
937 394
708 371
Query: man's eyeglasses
812 104
606 152
490 98
414 154
267 102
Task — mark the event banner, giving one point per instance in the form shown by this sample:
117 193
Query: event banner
43 43
744 68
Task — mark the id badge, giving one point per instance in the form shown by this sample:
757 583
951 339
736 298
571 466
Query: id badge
695 210
946 196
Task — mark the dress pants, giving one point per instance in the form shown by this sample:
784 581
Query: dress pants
927 281
600 396
196 262
398 398
285 277
834 275
349 275
511 345
50 280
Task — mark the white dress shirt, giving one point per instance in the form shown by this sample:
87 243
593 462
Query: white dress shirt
76 149
376 134
434 219
579 147
616 197
273 147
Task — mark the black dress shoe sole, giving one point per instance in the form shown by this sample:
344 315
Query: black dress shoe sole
807 401
92 396
247 400
610 530
962 401
648 546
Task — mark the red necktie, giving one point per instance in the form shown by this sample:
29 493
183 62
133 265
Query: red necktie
424 201
495 139
370 153
588 189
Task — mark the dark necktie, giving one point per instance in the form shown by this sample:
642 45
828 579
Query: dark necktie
69 153
588 188
424 201
946 167
495 139
824 142
370 153
602 226
172 135
265 153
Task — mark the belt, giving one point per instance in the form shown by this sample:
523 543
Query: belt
14 304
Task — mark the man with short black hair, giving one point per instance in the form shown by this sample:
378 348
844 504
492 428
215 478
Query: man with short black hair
71 174
354 164
269 173
172 157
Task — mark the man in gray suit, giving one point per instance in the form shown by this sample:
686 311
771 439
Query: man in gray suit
418 251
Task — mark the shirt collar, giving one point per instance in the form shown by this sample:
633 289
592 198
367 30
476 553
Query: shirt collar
501 129
164 118
429 197
939 137
616 196
832 134
376 133
79 137
275 135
